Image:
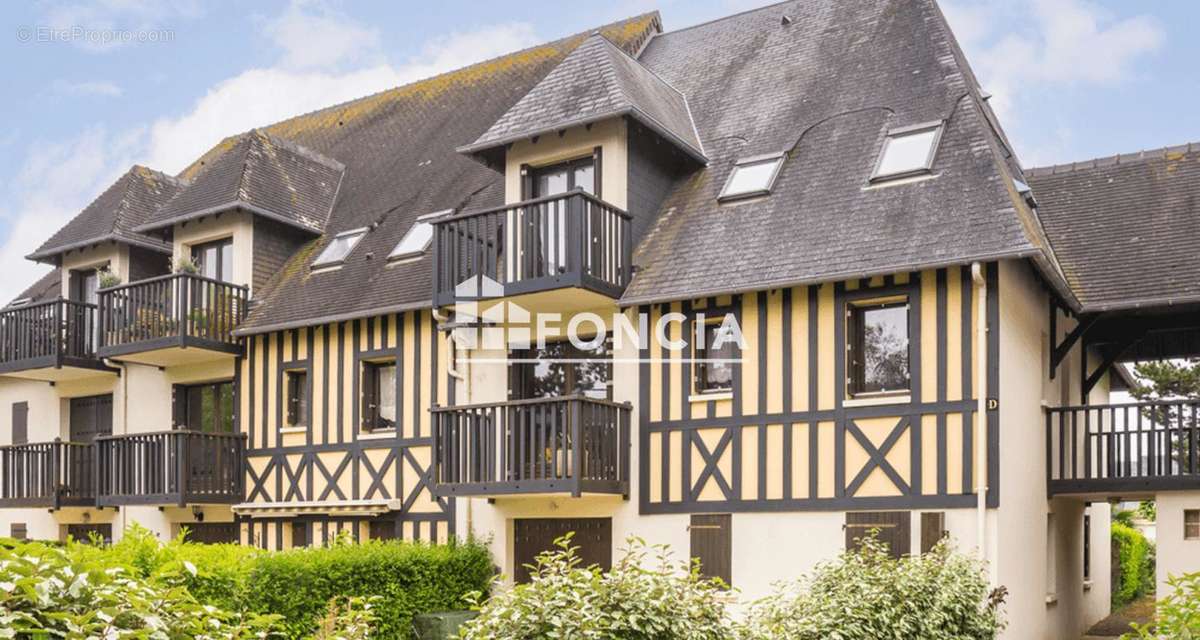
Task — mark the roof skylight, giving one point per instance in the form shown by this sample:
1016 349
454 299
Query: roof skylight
752 177
908 151
417 240
340 247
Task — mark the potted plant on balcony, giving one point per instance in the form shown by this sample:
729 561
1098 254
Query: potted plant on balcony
187 265
105 278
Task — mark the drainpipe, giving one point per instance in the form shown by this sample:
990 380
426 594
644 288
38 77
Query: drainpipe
980 438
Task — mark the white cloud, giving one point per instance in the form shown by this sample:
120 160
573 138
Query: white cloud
88 88
1057 43
312 36
58 180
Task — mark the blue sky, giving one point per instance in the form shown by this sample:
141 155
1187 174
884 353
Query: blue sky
1072 79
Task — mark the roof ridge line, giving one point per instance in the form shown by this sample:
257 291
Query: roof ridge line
1111 160
728 17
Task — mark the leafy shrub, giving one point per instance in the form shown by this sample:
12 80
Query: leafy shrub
563 599
1177 616
866 594
410 578
45 591
1135 564
348 618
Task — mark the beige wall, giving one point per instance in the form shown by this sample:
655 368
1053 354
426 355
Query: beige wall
576 142
1176 556
235 224
116 256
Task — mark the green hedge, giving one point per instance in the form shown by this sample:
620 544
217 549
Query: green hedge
299 584
1133 554
410 577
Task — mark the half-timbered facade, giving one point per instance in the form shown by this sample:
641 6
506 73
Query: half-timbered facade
354 323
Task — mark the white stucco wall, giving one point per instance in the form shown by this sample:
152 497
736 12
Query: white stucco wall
1176 556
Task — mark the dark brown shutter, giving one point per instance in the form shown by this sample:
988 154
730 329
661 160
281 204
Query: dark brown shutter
293 398
526 182
370 396
893 528
18 531
299 534
933 529
712 545
596 167
20 422
531 536
384 529
179 398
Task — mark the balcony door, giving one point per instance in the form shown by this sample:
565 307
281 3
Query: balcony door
549 220
215 259
80 334
205 408
90 417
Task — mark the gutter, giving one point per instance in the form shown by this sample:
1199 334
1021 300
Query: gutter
980 427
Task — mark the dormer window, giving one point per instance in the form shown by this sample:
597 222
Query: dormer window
340 247
416 241
908 151
752 177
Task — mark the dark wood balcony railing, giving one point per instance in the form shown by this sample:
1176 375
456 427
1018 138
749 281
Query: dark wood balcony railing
180 309
47 474
1123 448
48 334
568 240
169 468
571 444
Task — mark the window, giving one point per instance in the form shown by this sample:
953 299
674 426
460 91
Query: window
908 151
714 359
18 531
563 177
84 284
20 422
1051 558
712 544
752 177
561 369
297 398
1191 524
379 395
892 528
1087 545
207 408
340 247
877 349
417 240
215 259
383 529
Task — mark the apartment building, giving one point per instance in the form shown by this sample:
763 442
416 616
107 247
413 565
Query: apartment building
315 329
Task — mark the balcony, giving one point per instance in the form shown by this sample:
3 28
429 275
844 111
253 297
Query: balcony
47 475
169 468
573 445
172 319
50 341
1123 450
573 244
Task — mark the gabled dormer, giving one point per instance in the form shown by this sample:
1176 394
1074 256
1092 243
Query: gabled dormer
587 155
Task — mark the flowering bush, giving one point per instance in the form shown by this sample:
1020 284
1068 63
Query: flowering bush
43 592
646 596
866 595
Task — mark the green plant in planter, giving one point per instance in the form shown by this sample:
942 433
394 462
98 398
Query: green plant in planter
186 265
106 278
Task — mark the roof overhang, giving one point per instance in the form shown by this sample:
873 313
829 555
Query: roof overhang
480 148
42 255
223 208
320 507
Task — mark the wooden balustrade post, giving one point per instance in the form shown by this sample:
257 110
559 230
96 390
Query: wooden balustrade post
575 411
182 464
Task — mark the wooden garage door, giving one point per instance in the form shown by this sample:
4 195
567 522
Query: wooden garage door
893 529
532 536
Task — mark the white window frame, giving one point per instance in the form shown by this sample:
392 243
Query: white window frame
425 219
778 158
361 232
936 126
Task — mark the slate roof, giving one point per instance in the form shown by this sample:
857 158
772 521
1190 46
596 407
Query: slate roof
263 174
825 88
115 213
1125 227
597 81
398 147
